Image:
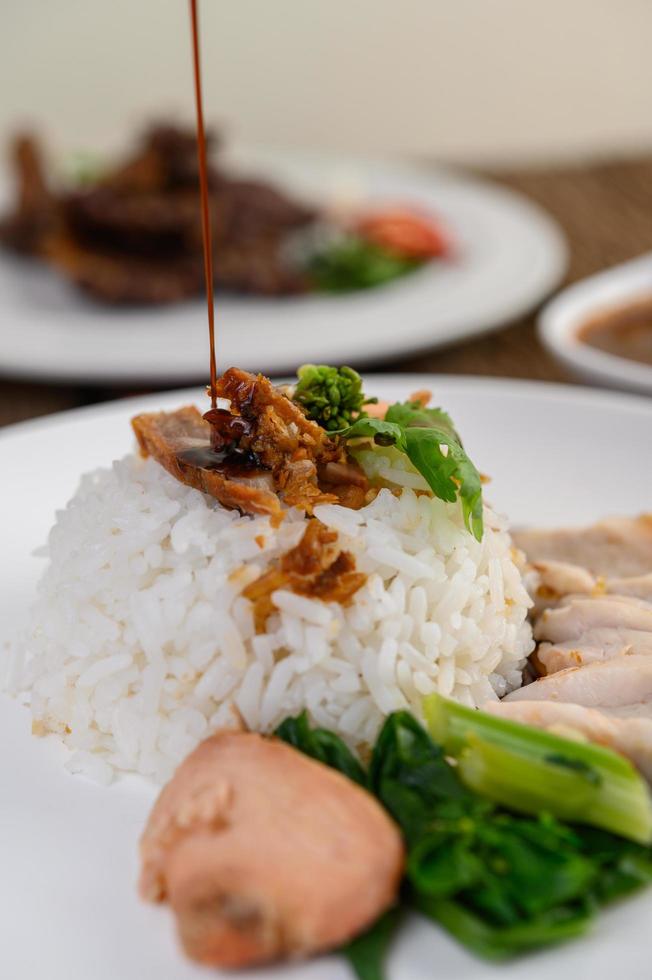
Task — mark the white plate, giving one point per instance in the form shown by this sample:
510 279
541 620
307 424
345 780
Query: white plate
510 256
567 312
68 848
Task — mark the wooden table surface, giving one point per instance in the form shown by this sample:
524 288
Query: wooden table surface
605 209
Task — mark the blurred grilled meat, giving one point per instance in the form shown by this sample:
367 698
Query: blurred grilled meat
36 210
134 234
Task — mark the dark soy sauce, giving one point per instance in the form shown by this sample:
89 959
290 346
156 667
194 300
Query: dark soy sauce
225 428
205 208
230 464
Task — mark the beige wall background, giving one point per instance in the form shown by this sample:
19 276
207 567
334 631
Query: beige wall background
471 80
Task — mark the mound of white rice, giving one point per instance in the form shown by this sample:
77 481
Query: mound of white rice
141 643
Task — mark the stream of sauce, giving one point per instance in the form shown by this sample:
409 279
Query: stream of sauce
205 209
225 428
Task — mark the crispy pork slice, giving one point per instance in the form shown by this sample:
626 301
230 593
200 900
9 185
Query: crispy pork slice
616 683
271 451
278 426
578 615
631 737
616 547
297 450
167 436
264 853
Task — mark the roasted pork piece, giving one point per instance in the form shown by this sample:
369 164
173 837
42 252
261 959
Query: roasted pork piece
172 438
260 450
265 854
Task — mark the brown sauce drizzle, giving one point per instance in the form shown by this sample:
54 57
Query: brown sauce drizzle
625 331
225 428
205 209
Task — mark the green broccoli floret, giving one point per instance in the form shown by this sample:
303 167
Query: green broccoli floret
331 396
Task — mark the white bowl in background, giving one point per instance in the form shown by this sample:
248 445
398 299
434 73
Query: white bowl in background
561 319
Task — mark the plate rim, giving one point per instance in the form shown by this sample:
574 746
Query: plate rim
580 393
422 936
548 271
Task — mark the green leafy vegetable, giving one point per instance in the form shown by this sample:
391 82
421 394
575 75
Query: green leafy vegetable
414 414
498 944
410 776
322 745
353 263
500 882
434 449
366 953
329 395
532 770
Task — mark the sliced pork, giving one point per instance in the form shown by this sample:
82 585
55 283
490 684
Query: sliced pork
617 547
593 621
636 585
596 644
616 683
576 616
559 578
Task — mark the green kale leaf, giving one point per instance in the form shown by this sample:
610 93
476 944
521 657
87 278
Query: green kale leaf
434 450
322 745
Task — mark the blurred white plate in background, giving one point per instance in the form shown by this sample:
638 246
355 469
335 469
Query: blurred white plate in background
69 848
563 317
509 256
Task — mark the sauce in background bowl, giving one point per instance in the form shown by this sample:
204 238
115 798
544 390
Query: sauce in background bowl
623 331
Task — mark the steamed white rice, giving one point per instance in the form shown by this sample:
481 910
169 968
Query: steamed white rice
141 644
